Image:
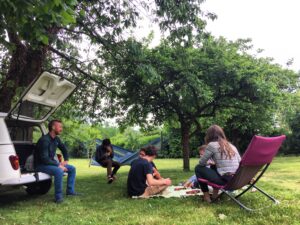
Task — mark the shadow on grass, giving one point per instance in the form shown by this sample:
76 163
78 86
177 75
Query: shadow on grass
15 196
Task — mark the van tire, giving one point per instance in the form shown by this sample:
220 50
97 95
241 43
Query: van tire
39 188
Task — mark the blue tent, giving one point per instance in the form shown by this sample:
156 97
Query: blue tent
121 155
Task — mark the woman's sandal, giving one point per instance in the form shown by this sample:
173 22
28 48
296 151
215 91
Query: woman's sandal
206 200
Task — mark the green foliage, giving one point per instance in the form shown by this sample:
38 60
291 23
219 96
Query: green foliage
80 137
174 82
32 20
172 146
191 79
292 145
214 81
133 139
68 38
105 25
182 20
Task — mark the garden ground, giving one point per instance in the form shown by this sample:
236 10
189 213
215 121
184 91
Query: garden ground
102 203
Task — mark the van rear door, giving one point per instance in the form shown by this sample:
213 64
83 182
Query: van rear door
44 95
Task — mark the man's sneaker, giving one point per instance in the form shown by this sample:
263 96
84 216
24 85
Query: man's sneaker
59 201
74 194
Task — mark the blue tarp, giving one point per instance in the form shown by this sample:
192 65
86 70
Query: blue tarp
121 155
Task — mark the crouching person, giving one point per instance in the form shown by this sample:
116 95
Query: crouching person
45 160
104 156
140 178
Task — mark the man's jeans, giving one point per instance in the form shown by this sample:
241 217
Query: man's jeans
58 174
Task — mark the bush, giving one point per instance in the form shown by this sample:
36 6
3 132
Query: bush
292 144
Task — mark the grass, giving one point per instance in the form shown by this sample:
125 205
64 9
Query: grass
108 204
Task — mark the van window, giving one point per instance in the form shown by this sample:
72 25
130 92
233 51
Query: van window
36 134
25 134
28 110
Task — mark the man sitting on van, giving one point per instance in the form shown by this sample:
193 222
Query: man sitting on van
140 178
45 160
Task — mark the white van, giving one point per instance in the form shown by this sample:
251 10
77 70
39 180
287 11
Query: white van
22 126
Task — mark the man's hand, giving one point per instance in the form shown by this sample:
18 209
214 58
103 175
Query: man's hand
63 168
167 181
156 174
108 151
64 163
210 162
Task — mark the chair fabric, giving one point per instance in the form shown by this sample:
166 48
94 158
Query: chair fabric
261 150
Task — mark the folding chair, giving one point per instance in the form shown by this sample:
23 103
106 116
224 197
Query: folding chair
254 162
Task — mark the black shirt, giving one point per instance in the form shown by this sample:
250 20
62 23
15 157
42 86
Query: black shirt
153 165
101 153
137 177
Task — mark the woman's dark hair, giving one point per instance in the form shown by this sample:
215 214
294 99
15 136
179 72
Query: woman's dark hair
106 142
216 133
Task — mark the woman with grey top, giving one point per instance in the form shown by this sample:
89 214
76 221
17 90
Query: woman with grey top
224 154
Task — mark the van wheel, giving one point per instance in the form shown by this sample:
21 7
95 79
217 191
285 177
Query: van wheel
39 188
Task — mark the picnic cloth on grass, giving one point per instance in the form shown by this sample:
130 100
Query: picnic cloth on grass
177 192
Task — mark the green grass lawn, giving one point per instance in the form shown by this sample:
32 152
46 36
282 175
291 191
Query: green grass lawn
108 204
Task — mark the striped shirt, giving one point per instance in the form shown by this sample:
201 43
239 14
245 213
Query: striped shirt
223 164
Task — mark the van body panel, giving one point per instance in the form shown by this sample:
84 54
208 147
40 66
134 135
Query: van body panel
26 179
6 150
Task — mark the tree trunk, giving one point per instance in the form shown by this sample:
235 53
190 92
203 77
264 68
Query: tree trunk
185 138
12 78
25 65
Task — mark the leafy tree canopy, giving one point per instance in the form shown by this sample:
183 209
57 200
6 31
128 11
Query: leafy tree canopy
213 78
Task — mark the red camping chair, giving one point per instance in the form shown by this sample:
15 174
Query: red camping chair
255 161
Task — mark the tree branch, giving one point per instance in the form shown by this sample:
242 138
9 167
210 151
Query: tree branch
87 75
197 129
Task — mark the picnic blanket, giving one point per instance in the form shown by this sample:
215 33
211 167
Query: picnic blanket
177 192
181 191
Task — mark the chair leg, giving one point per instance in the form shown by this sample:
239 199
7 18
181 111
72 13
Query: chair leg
235 198
237 201
267 195
256 180
244 191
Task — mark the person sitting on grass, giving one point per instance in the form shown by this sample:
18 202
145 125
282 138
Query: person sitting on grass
192 182
104 156
140 180
225 156
156 174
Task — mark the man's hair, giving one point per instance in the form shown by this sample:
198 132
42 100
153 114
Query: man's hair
51 123
149 150
106 142
202 147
